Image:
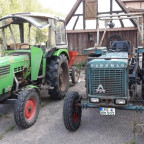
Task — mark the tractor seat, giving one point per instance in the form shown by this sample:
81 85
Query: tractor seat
120 46
19 46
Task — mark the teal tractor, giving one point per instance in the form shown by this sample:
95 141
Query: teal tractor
113 77
34 56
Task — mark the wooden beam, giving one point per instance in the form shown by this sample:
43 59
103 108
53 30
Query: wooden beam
73 10
132 0
111 5
102 30
78 15
123 7
121 22
84 24
76 22
136 10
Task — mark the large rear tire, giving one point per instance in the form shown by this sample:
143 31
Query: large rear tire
26 108
57 75
71 112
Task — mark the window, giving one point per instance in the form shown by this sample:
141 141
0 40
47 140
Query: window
90 36
60 33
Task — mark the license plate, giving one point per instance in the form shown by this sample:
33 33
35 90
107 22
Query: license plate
107 111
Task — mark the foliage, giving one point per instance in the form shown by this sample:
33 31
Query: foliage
16 6
81 65
22 6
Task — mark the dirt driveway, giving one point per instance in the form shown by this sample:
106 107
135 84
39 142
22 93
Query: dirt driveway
49 128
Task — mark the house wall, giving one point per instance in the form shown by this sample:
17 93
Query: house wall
79 40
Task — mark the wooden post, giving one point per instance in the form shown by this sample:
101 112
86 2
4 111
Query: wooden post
111 4
97 21
106 26
84 14
76 22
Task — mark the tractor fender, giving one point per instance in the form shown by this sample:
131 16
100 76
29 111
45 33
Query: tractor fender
36 89
62 51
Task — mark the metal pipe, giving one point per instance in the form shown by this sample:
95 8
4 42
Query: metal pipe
17 83
121 107
120 18
116 15
13 37
4 38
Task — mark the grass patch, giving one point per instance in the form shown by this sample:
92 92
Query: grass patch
1 137
10 129
43 104
7 116
4 116
132 142
81 65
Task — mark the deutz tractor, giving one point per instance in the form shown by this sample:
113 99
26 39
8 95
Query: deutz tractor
113 76
34 56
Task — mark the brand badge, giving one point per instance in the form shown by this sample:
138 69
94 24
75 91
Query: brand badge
100 89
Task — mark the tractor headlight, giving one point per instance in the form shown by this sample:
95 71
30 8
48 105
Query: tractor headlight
120 101
94 100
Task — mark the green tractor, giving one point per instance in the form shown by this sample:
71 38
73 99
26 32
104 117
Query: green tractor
34 56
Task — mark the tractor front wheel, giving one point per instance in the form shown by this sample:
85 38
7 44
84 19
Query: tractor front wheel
26 108
72 112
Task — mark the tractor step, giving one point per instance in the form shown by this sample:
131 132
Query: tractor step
44 87
41 76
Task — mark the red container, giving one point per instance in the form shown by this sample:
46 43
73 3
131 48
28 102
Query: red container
73 55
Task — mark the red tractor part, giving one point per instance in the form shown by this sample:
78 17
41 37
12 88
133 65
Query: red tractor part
73 55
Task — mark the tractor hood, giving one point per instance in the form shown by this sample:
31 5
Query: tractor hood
10 60
9 65
110 60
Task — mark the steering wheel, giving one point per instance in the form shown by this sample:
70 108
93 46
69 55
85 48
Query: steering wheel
25 44
116 49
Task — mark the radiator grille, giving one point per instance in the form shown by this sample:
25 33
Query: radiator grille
4 70
112 80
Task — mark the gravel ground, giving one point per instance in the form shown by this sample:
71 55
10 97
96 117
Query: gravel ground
49 128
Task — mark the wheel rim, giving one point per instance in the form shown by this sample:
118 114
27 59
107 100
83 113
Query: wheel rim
76 112
30 109
75 117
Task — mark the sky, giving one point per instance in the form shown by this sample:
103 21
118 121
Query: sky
61 6
64 6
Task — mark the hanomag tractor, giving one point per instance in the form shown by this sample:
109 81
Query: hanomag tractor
34 56
112 77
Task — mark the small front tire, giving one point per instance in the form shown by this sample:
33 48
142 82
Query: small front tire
26 108
71 112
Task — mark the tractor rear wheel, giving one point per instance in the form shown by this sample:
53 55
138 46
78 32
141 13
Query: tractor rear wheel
71 112
57 75
75 74
26 108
